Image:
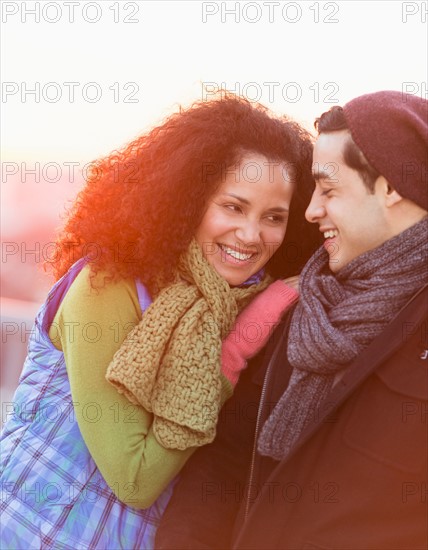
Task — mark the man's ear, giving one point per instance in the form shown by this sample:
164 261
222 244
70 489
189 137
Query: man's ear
390 194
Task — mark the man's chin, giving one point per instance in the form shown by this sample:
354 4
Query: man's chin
335 265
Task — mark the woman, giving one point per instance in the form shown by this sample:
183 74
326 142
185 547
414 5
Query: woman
194 213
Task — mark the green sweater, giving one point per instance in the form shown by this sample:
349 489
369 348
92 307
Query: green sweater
89 327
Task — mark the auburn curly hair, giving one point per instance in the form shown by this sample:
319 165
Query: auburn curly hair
140 206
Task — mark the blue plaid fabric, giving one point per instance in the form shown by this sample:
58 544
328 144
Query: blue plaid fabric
52 493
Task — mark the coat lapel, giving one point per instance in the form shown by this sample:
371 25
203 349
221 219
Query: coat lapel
378 351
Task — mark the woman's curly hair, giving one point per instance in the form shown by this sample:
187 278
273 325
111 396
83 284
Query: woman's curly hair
141 206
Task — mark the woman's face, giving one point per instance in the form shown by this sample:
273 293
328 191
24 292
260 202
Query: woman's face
246 218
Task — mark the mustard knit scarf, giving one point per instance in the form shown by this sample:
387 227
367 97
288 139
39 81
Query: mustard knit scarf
170 362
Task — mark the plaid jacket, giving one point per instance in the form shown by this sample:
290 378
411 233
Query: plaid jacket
52 493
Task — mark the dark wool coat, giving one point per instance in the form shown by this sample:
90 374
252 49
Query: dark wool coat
357 477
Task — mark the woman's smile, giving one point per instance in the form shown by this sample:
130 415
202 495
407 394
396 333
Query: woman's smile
246 219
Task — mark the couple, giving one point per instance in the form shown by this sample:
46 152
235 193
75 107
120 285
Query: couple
135 351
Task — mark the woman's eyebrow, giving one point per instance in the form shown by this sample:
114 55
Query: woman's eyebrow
278 209
246 201
241 199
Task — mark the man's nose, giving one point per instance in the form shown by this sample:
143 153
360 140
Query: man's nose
315 211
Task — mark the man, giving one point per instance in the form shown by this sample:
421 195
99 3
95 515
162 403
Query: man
324 444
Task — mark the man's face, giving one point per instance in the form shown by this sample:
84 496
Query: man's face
352 219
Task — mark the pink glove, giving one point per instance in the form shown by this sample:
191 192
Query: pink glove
253 327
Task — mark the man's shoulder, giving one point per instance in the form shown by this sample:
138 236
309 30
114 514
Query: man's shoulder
406 370
409 334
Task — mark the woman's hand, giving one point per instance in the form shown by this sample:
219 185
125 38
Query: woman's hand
255 324
293 282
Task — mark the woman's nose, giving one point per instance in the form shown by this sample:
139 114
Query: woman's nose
248 232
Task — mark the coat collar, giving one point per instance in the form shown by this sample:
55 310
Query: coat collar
378 351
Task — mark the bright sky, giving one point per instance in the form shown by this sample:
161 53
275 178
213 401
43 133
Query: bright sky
129 64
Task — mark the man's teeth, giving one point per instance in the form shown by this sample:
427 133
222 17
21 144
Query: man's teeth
235 254
330 234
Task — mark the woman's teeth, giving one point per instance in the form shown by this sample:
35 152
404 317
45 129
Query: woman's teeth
235 254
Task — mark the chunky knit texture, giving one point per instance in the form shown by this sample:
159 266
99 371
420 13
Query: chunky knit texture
170 362
337 317
253 327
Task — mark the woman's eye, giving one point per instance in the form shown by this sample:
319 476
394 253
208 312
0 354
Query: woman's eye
233 207
276 219
326 192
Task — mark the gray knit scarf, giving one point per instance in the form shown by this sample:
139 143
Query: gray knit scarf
337 317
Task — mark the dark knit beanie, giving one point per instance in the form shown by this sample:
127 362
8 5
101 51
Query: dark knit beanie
391 129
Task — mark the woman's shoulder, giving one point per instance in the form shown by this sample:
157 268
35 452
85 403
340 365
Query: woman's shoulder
95 300
97 295
100 282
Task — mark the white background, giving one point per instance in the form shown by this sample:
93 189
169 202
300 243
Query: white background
168 49
298 58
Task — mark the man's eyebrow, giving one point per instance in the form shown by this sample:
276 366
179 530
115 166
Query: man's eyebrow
322 175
